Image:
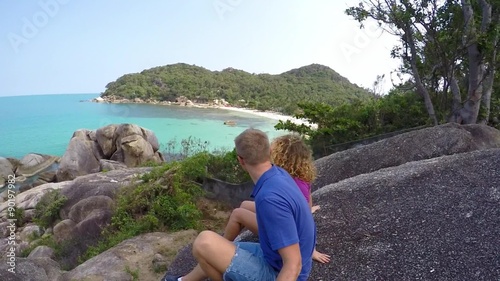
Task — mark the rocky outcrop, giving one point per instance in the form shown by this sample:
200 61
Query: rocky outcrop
36 269
27 200
6 170
93 151
435 219
33 163
42 252
136 254
417 145
87 210
81 157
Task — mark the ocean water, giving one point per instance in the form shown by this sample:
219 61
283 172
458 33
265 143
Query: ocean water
45 123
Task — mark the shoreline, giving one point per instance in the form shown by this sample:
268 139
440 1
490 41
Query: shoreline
269 114
187 103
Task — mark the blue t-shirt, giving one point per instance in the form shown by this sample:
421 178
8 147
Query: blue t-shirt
283 218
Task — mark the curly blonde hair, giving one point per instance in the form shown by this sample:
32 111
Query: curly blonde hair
291 153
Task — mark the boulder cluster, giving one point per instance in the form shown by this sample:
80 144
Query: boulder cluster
108 148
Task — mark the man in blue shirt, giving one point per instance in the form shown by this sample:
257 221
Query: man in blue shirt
287 233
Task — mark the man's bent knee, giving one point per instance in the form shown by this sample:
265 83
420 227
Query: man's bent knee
203 241
213 249
207 242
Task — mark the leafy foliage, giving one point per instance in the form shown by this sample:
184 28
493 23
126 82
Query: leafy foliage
47 210
353 121
448 47
281 92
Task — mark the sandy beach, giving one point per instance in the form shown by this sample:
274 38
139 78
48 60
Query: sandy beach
271 115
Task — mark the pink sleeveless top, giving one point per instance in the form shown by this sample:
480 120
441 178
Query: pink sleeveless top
304 187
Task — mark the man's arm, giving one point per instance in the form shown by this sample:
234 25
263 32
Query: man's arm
292 263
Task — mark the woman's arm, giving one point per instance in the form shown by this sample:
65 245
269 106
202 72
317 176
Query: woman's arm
310 200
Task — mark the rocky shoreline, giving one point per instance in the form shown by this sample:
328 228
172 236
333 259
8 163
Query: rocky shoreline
180 101
31 165
215 104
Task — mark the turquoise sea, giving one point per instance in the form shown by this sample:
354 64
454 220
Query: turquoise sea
45 123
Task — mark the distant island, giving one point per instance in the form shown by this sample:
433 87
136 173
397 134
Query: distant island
280 93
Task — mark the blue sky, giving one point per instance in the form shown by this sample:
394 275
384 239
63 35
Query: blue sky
71 46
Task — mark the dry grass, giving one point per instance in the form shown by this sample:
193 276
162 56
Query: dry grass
215 214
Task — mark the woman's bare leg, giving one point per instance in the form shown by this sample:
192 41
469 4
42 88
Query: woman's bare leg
239 219
249 205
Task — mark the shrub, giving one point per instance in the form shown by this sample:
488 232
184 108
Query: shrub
19 216
47 210
166 199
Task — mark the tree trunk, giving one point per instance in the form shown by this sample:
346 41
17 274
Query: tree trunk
470 110
488 83
487 90
421 90
456 103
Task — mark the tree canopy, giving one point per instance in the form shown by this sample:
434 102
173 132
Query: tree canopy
282 92
448 47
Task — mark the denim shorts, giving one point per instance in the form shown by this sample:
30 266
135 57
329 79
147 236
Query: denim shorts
248 264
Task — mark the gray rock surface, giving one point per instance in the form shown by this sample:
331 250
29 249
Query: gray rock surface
427 143
64 230
35 269
79 158
49 176
99 184
6 169
109 165
230 194
28 199
41 252
33 163
138 254
30 231
436 219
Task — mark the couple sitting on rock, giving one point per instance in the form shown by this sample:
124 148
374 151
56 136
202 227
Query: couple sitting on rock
281 215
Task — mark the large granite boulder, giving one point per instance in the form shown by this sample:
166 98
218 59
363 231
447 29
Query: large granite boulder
434 219
427 143
93 151
137 254
29 199
33 163
6 170
81 157
33 269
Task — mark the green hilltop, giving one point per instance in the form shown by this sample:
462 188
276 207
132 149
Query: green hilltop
281 92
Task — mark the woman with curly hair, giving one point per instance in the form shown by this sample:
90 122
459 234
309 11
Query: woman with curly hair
291 153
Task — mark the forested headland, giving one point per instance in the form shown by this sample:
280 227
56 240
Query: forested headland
281 93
